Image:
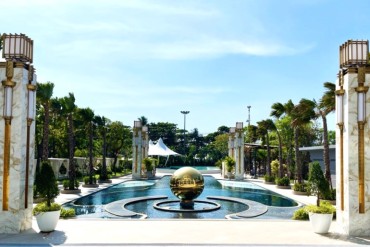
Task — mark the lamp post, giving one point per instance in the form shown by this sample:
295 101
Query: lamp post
31 88
16 48
354 54
185 113
249 115
136 171
340 122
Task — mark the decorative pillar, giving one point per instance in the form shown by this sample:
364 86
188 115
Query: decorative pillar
145 141
339 110
239 151
231 148
137 150
353 138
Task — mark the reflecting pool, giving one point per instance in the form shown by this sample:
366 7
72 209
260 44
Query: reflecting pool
93 205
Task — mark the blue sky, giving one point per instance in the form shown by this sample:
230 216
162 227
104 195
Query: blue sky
154 58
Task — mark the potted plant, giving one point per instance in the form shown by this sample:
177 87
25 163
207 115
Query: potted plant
230 164
300 188
320 214
269 179
149 166
283 183
47 213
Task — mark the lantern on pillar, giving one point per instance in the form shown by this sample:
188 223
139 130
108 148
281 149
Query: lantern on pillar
16 48
355 53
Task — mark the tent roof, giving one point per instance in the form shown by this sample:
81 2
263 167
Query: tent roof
160 149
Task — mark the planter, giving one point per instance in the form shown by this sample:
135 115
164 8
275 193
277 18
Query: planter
47 221
320 222
300 193
285 187
268 182
90 185
108 181
77 191
229 175
149 174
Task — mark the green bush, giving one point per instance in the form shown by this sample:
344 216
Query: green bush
269 178
65 184
318 185
43 207
67 213
284 181
230 163
87 180
324 208
301 187
46 183
301 214
330 195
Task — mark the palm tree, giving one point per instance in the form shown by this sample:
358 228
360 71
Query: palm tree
44 93
278 110
143 120
87 116
101 122
301 114
263 129
68 108
326 105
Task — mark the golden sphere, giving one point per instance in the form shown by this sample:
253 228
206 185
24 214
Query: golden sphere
187 184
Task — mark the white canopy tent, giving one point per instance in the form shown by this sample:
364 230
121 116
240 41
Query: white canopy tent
160 149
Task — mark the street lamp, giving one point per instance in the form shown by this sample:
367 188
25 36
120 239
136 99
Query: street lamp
16 48
249 115
185 113
355 53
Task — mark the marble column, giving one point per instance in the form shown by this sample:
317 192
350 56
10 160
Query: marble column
137 153
18 214
350 219
239 155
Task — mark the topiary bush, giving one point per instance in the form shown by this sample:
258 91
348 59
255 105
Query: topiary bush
269 178
284 181
46 183
318 185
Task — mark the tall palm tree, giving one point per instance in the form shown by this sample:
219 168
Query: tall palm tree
279 110
302 114
264 127
44 93
68 108
143 120
326 105
87 116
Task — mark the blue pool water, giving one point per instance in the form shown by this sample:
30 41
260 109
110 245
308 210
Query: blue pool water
93 205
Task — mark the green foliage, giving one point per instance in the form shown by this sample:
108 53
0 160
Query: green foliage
219 163
230 163
149 163
284 181
46 183
330 195
269 178
87 180
301 214
301 187
318 185
275 168
324 208
65 184
43 207
67 213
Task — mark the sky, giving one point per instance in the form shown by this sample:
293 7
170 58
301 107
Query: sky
130 58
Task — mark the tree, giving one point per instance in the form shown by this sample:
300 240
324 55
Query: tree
44 93
264 127
143 120
87 116
278 110
301 114
103 124
326 105
68 108
116 139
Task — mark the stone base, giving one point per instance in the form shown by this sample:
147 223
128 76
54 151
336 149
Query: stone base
90 185
300 193
108 181
77 191
15 222
283 187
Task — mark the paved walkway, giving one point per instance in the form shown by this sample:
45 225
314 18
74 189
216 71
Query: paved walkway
250 232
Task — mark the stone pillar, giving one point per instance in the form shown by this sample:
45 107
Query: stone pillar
137 151
239 154
17 214
351 219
